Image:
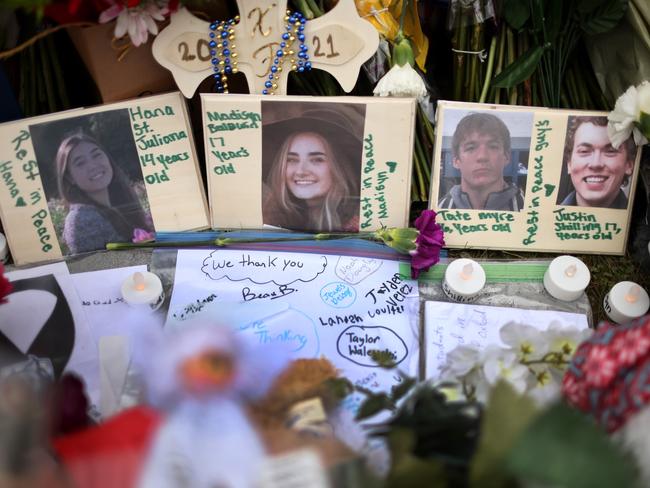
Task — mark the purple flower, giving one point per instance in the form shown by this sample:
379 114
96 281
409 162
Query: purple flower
429 242
141 235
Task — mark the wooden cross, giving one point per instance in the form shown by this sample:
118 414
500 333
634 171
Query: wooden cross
339 43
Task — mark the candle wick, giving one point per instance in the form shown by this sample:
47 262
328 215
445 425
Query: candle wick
570 271
467 272
633 294
138 280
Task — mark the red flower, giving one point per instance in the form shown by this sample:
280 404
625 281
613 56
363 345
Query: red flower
5 286
608 376
631 345
429 243
600 368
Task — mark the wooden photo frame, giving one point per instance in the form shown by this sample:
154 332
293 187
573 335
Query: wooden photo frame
527 178
318 164
75 180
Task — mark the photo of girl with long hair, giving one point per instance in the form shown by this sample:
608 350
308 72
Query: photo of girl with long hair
312 155
95 195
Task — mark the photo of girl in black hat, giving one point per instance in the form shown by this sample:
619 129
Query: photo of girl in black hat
312 165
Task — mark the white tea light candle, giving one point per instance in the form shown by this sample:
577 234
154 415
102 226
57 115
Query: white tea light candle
626 301
464 279
4 250
143 289
566 278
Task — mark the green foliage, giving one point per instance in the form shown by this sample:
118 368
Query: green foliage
554 28
339 388
58 213
398 391
383 358
442 434
407 470
561 447
520 70
516 13
372 405
598 17
506 416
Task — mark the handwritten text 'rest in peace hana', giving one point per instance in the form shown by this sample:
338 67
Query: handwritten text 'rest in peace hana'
151 143
374 179
220 125
28 167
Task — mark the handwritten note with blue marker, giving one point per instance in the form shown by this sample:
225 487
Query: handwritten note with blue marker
340 307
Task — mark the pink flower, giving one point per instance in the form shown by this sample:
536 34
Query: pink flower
141 235
5 286
137 21
429 241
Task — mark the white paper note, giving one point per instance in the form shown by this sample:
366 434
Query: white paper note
102 302
317 305
44 317
448 325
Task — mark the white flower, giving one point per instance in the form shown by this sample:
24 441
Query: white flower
460 361
401 81
565 339
464 369
627 113
643 92
525 340
545 387
503 364
138 21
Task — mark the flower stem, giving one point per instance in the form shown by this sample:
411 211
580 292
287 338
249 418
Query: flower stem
226 241
488 73
405 7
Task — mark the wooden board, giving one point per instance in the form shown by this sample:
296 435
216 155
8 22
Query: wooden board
148 143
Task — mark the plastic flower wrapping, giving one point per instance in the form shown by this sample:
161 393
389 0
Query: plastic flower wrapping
531 360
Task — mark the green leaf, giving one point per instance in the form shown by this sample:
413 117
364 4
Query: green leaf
401 389
586 6
408 470
562 447
413 472
505 418
520 70
604 17
516 13
553 18
339 387
373 405
384 359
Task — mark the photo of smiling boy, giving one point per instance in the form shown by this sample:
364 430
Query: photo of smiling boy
480 151
311 164
594 173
